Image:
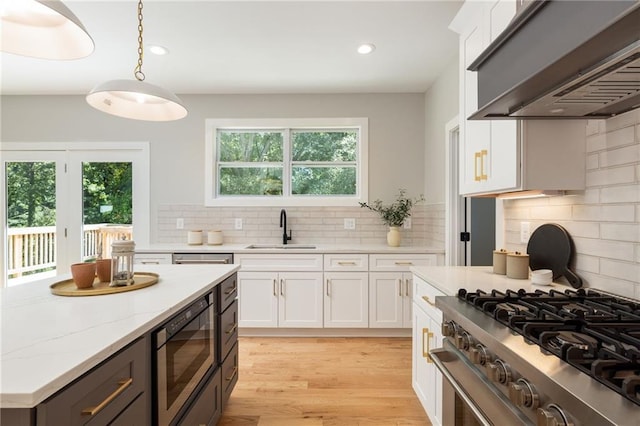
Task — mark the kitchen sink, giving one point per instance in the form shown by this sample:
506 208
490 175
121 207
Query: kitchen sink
280 246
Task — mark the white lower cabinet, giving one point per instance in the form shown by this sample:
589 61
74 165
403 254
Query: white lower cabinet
346 299
390 288
427 321
285 299
152 258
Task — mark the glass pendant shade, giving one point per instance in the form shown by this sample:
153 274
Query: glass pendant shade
44 29
137 100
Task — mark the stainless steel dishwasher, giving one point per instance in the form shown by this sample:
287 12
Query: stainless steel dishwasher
202 258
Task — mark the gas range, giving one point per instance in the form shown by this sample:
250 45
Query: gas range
567 357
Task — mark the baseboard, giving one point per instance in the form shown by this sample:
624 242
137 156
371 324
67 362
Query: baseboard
323 332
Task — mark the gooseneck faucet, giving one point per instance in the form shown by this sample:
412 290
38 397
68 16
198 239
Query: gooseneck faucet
283 225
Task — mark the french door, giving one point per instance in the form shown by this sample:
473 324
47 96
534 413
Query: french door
65 203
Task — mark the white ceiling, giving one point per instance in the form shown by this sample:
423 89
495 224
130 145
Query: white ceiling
252 47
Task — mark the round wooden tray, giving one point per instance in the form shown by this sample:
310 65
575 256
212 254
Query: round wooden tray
68 287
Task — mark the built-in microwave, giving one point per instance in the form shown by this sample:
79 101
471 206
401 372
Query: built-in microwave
185 352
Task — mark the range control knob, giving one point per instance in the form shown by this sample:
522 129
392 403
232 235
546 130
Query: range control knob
499 372
449 328
523 394
463 340
553 415
478 354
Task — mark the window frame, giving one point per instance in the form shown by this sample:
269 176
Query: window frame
213 199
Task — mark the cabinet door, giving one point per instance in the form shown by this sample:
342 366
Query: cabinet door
420 368
300 299
346 299
152 258
386 300
434 376
258 299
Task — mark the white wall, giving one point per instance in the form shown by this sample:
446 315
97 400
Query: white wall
396 135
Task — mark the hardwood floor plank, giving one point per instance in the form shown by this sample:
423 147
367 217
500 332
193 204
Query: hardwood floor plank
324 381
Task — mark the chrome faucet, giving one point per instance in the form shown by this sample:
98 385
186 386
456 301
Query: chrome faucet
283 225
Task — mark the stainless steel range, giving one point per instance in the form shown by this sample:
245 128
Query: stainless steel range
541 358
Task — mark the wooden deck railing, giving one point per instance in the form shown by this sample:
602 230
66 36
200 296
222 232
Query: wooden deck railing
32 250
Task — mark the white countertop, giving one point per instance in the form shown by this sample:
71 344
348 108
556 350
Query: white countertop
47 341
320 248
449 279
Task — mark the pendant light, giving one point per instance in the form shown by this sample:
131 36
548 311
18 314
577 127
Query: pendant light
136 99
44 29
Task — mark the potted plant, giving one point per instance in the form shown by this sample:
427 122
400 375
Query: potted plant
395 214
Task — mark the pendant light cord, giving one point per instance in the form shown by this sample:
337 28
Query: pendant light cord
138 70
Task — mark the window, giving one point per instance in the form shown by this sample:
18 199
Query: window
286 162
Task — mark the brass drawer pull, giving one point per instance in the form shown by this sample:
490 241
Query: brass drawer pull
344 263
232 329
122 386
233 374
404 262
426 299
426 354
328 285
232 289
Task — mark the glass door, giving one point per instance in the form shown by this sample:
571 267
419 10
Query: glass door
32 205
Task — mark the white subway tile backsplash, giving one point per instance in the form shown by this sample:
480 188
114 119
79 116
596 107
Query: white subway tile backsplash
611 176
610 284
551 212
620 194
629 271
624 120
620 231
627 155
592 161
596 142
604 248
587 263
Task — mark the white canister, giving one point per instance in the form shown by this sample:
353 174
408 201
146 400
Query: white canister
214 238
500 262
194 238
518 265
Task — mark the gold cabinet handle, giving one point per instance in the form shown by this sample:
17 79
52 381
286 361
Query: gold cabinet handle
425 354
484 154
275 292
345 263
232 329
233 374
407 287
232 289
426 299
477 160
150 262
400 287
403 262
328 284
281 287
122 386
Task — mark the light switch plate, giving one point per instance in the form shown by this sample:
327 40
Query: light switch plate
525 231
238 224
179 223
407 223
349 223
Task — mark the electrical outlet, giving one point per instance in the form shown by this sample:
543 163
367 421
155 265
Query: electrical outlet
179 223
407 223
238 223
350 223
525 231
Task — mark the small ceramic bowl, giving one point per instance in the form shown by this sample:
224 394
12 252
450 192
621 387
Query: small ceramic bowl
542 277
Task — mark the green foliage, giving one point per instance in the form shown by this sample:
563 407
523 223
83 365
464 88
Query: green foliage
396 213
107 184
250 181
31 194
250 147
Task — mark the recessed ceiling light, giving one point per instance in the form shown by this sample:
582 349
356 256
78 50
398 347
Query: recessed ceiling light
158 50
365 49
556 110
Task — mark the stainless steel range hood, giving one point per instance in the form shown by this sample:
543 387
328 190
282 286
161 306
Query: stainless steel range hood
562 59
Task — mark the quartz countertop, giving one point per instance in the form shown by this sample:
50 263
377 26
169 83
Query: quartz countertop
47 341
241 248
449 279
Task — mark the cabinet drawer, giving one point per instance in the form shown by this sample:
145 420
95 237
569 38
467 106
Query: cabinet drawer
279 263
229 374
133 414
424 295
206 409
103 393
228 329
399 262
228 291
152 258
346 262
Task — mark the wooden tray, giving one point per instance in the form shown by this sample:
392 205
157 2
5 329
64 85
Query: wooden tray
68 287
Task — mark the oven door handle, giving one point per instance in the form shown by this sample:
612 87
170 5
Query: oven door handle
435 357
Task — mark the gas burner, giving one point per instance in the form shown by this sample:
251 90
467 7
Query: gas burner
573 339
575 309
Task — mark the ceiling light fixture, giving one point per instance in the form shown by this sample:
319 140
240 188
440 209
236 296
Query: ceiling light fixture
136 99
534 193
158 50
44 29
365 49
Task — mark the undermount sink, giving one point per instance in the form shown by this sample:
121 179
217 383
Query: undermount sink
280 246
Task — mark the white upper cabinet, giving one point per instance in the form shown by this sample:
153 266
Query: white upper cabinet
498 156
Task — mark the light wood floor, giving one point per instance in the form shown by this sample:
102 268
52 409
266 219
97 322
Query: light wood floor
324 381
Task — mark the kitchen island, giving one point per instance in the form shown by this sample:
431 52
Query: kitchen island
50 341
